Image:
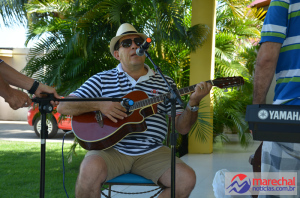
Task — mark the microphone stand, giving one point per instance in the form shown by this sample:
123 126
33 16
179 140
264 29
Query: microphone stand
175 97
45 107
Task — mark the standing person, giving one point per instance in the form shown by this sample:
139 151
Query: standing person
16 98
279 52
139 153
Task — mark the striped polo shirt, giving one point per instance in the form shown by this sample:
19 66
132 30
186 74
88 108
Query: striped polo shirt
117 83
282 25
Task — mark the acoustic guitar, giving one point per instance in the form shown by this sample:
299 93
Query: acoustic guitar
97 132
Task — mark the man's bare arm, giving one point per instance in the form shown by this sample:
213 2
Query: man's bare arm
13 77
185 121
266 62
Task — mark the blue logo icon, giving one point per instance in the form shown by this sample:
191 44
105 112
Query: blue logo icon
239 184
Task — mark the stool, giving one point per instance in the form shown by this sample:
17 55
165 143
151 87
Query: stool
128 179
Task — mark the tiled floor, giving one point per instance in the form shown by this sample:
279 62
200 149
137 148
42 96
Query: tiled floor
230 156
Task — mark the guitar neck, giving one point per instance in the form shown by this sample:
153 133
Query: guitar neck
160 98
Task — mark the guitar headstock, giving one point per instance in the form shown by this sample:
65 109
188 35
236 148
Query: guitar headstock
228 82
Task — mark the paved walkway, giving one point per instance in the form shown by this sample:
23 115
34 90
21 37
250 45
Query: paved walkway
22 131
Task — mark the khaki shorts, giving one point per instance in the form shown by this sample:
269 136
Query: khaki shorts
151 165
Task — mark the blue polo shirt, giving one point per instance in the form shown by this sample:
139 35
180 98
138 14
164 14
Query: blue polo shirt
282 25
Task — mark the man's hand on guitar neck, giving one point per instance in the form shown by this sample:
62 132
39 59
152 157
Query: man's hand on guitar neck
113 110
201 90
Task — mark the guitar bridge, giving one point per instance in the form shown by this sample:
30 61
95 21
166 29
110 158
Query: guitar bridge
99 118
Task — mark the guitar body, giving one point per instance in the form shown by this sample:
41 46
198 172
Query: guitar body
94 135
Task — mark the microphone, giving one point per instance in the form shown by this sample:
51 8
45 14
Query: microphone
141 51
127 103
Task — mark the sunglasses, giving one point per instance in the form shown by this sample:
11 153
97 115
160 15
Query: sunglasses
128 42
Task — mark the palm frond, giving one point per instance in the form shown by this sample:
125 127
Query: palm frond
202 127
13 12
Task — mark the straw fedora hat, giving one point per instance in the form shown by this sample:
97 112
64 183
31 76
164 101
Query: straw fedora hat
124 30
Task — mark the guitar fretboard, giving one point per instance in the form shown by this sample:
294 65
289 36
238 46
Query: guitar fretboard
160 98
219 82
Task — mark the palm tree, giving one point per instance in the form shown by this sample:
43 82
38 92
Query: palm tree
70 45
235 55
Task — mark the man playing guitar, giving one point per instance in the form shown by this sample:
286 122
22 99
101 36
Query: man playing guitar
140 153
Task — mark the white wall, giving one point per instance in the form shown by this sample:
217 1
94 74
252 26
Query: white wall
18 62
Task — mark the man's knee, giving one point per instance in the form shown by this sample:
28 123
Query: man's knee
93 172
186 178
185 181
93 169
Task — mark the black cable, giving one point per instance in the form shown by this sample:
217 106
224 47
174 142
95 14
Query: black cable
63 161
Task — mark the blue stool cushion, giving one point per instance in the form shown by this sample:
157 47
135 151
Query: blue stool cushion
130 178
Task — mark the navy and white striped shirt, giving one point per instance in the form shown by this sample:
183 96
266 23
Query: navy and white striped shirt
117 83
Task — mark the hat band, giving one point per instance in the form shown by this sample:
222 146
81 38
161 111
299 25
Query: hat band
128 32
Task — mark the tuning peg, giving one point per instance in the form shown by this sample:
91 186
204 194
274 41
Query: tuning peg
225 90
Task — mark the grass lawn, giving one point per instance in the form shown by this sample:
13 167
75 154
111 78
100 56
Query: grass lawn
20 169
